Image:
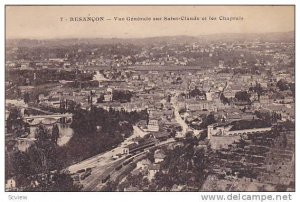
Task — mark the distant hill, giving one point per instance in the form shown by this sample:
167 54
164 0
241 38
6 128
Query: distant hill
228 37
271 37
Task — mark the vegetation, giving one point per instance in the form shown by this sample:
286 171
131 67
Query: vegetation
257 89
39 169
196 92
242 96
15 123
268 117
248 124
223 99
182 166
122 96
96 131
282 85
209 119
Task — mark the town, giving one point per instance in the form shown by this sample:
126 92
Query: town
156 114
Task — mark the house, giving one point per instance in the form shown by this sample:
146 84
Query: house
264 99
256 104
153 125
194 105
41 97
288 114
107 97
153 169
10 184
160 135
159 156
289 99
155 114
229 94
143 164
125 150
248 116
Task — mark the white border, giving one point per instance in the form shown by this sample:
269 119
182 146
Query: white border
124 197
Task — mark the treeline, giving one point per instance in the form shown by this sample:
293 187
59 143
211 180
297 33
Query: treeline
184 165
122 96
39 169
196 92
284 85
248 124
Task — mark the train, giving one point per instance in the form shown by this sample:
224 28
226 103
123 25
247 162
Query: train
119 167
141 146
104 180
127 161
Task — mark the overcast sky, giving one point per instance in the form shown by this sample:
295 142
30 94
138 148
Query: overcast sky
43 22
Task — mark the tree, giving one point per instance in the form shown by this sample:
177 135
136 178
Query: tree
55 133
150 156
26 97
182 166
242 96
14 120
190 138
282 85
56 182
71 105
257 89
122 96
196 92
292 88
62 106
43 153
208 120
41 133
21 166
169 98
63 183
223 99
284 140
100 99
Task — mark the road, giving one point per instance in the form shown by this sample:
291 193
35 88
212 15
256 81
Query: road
138 132
179 120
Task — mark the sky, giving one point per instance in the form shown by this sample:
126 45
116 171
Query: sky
44 22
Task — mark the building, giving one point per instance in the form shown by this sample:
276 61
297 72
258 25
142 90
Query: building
225 130
10 184
159 156
153 126
221 135
153 169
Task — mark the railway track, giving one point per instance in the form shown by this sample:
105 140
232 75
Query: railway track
100 175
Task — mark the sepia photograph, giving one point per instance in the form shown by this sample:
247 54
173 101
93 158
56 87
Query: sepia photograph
149 98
